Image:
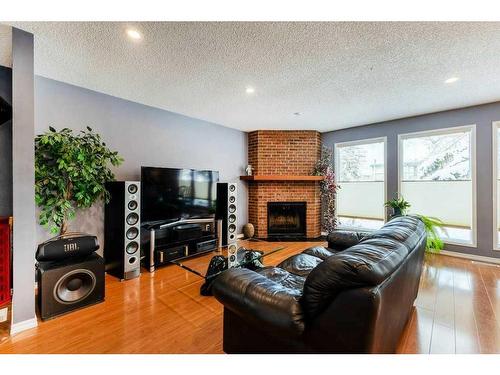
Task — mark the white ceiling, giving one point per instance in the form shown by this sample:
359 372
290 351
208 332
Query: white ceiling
337 74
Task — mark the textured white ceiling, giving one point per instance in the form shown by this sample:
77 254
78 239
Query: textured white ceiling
337 75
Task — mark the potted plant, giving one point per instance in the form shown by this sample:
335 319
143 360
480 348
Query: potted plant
434 243
432 224
71 171
399 206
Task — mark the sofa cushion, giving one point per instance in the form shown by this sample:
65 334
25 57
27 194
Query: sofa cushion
263 302
341 239
300 264
366 264
405 229
319 252
284 278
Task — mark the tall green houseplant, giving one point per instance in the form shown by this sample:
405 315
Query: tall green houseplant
432 225
71 171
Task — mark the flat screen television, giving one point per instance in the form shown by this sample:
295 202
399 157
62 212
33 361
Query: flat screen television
169 194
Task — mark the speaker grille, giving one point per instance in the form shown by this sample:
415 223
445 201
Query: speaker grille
132 188
74 286
132 233
132 219
132 247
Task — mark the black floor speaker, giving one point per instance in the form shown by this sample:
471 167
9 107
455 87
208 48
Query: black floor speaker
71 284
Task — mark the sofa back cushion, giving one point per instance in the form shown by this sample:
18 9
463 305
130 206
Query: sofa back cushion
368 263
405 229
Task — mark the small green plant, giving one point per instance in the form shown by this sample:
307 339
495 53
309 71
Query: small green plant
398 205
71 171
434 243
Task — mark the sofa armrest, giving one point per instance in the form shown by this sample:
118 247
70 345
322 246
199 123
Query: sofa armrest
341 239
260 301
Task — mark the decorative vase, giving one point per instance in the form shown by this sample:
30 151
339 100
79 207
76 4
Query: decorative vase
248 230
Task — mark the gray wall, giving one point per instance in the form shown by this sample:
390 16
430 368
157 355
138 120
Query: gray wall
482 116
143 136
23 191
6 146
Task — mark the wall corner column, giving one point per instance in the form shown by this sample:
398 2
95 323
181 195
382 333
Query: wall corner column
23 189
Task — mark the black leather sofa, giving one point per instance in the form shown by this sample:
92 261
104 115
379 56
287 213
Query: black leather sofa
353 297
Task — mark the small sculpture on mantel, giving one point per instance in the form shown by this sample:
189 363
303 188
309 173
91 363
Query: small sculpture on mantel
249 170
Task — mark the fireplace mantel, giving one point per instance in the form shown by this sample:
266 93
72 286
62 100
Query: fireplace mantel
280 177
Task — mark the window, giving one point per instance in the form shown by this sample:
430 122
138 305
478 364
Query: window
496 185
437 176
360 173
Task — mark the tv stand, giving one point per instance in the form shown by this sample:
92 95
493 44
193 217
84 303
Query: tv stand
181 248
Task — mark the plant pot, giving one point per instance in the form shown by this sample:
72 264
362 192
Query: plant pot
396 212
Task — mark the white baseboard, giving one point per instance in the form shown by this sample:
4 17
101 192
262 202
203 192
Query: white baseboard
478 258
23 326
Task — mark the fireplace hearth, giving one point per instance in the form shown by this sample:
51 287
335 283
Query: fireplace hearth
286 220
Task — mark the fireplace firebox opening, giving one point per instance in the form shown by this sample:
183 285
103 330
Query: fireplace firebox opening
286 220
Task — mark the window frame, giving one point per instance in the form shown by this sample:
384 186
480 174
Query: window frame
360 142
495 126
444 131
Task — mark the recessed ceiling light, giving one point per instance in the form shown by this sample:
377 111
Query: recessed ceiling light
250 90
451 80
134 34
297 113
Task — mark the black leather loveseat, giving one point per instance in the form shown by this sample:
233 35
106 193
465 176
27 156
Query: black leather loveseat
353 297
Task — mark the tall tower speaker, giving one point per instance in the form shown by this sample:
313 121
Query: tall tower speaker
122 226
226 213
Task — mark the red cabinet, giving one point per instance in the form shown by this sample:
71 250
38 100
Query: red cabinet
5 232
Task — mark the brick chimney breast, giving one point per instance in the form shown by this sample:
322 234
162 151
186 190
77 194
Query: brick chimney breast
282 152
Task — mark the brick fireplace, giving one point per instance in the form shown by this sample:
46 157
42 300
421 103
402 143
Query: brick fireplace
286 160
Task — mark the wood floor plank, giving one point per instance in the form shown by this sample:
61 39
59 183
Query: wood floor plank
443 339
466 335
444 309
419 332
489 336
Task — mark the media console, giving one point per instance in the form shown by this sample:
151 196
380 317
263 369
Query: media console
177 240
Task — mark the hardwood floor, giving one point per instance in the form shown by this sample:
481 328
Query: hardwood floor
457 311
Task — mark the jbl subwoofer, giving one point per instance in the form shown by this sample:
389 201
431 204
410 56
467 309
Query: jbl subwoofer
69 284
227 215
122 228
